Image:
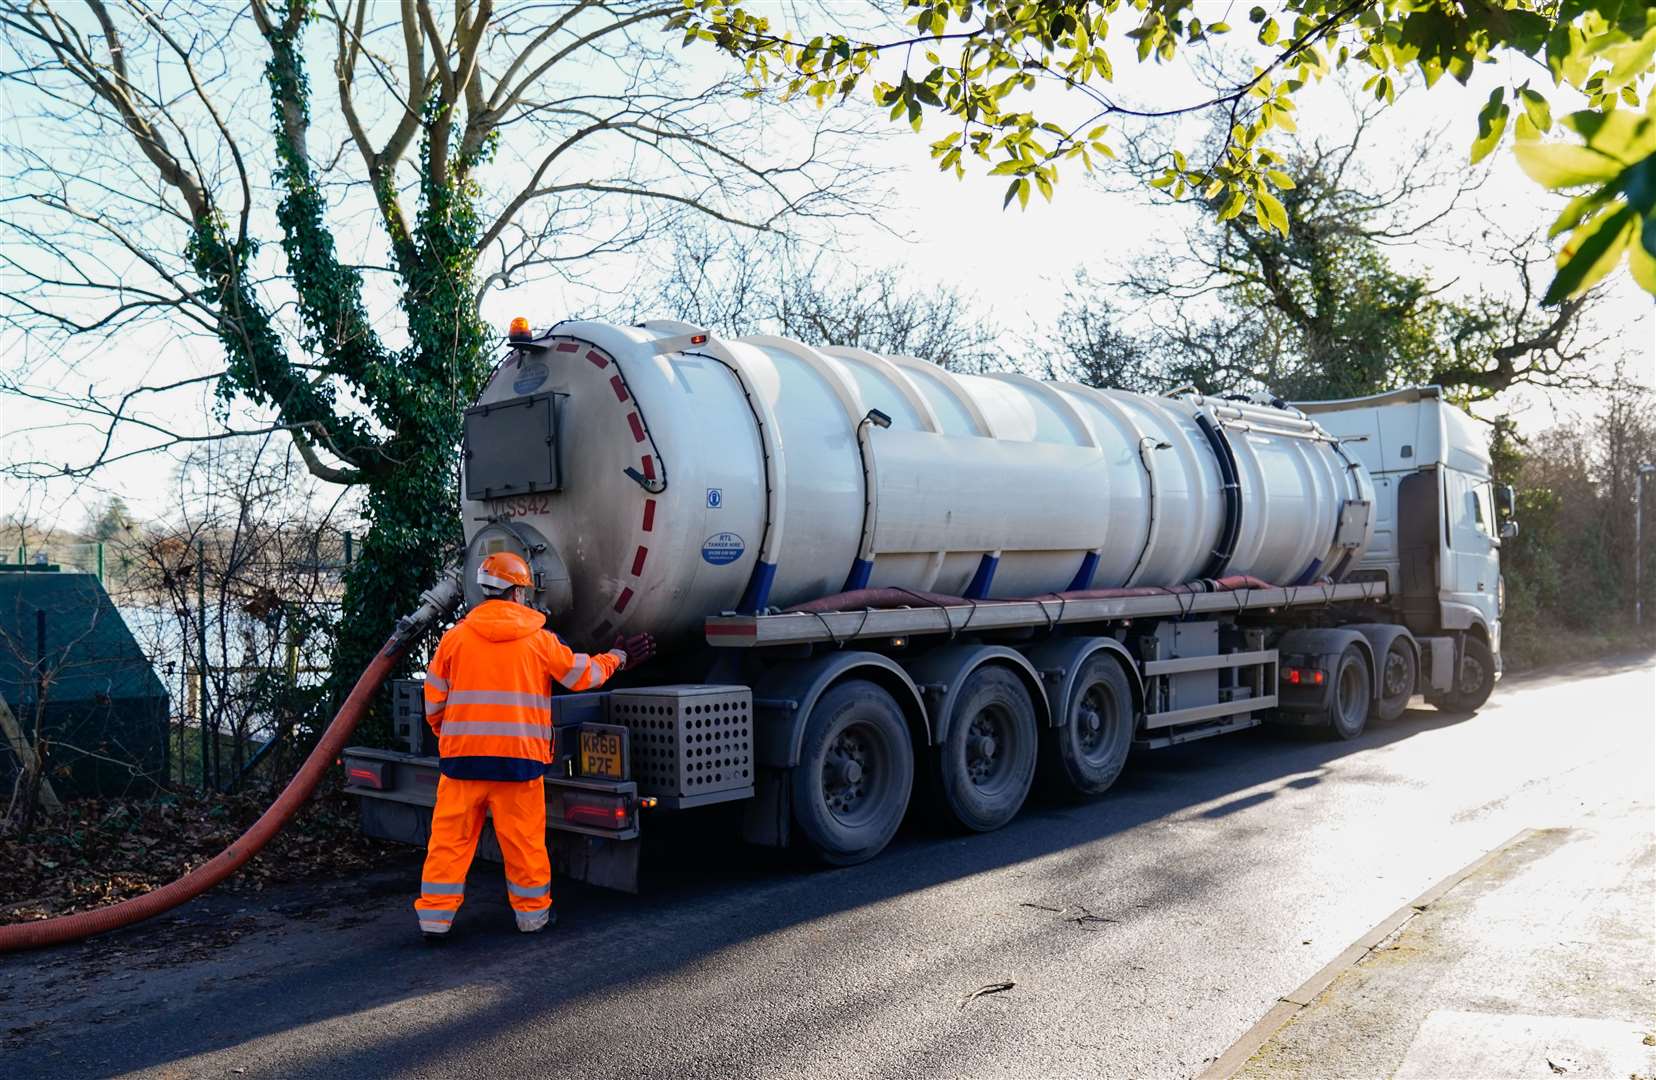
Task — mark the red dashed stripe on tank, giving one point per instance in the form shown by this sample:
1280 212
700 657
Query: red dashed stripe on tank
598 359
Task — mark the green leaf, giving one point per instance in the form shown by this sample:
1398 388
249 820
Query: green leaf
1492 121
1011 193
1274 212
1641 256
1622 134
1537 109
1281 179
1591 253
1631 61
1563 165
1578 209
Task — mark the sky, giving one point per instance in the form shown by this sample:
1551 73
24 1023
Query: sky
939 230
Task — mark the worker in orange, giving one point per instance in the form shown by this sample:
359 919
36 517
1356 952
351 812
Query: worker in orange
488 698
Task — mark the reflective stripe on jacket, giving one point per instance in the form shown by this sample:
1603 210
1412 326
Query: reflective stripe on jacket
488 689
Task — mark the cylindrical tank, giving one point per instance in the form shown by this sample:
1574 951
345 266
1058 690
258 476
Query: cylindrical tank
656 475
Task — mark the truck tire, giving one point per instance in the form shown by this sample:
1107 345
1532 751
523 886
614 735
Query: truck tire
1350 696
856 769
1084 755
985 766
1475 680
1399 672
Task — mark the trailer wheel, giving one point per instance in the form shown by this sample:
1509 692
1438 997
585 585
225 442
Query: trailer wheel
1350 696
1084 755
856 769
1475 680
1398 674
987 762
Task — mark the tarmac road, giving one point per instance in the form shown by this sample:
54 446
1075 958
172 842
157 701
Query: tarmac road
1141 934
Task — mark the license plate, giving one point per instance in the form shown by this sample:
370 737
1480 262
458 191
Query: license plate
603 754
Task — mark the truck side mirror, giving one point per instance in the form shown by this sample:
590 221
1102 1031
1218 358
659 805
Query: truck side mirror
1509 529
1505 500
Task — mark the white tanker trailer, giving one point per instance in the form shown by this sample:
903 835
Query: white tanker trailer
874 577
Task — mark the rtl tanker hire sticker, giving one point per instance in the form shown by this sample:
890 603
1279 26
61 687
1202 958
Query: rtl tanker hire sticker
529 377
722 548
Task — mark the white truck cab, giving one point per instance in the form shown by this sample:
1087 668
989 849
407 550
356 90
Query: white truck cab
1437 537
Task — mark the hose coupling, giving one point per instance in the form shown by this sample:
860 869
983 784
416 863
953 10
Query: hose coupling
436 603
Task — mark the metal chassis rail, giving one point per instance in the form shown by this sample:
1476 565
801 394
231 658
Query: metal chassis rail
840 627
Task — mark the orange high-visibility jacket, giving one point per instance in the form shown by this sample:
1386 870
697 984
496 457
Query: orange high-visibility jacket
488 691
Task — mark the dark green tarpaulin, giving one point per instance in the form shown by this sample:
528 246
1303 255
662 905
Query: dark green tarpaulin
105 711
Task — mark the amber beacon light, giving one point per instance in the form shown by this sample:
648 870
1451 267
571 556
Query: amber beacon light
519 329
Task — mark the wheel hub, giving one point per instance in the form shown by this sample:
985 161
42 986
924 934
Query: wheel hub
845 773
1471 676
1396 673
983 756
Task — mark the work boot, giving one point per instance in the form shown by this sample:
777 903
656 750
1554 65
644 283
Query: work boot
533 922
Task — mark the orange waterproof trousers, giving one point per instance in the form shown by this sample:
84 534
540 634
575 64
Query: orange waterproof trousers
519 811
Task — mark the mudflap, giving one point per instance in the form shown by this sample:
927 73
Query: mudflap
766 816
597 860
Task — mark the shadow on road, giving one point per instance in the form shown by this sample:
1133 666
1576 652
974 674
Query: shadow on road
704 892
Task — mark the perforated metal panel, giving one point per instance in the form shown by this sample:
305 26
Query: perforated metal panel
690 744
408 724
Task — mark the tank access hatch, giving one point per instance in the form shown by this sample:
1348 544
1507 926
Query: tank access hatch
511 447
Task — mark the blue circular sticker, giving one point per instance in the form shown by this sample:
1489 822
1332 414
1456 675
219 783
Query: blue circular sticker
529 377
722 548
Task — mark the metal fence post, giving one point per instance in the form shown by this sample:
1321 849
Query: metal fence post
201 645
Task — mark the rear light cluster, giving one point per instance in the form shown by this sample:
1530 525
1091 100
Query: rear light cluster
597 811
365 774
1295 676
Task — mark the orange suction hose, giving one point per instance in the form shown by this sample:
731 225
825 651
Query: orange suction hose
35 935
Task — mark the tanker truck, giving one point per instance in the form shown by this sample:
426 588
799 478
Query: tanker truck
876 582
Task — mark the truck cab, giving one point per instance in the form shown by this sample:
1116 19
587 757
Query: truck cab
1437 537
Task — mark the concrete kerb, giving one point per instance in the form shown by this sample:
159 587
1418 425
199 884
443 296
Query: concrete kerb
1238 1054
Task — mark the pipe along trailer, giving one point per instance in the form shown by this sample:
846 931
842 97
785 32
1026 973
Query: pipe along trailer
876 581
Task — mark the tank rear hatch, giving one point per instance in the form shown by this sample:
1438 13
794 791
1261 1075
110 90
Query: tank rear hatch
511 447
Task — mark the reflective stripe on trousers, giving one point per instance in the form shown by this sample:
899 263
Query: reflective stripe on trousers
529 890
532 920
435 922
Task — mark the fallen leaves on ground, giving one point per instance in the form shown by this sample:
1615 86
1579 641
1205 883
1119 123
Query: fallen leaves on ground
100 851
